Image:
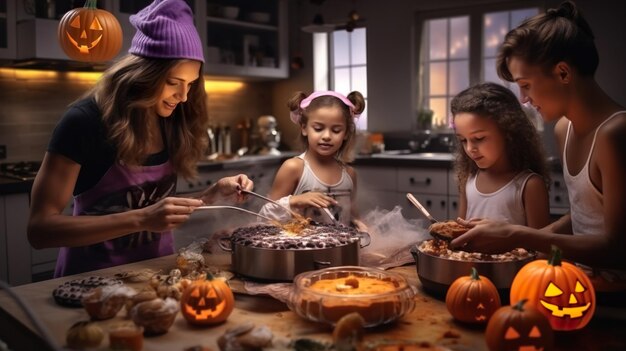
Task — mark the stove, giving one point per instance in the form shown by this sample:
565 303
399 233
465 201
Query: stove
25 170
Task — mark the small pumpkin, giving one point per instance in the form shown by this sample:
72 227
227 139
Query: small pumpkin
519 327
559 290
207 302
90 34
473 298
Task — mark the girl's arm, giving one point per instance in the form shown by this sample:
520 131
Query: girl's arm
536 203
286 178
52 190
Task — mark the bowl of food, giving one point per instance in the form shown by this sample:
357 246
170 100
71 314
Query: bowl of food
438 265
328 294
279 253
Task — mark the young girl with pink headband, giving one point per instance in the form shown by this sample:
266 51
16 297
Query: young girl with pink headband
319 183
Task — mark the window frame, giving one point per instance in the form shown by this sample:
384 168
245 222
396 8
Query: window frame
476 31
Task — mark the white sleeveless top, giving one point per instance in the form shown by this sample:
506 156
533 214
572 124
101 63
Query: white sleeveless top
587 203
340 191
505 204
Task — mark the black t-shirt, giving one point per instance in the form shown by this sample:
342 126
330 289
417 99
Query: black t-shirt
81 136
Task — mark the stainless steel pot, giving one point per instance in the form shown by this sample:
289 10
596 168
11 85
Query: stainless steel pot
285 264
437 273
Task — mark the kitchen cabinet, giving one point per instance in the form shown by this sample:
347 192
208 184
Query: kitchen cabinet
7 29
15 209
559 200
238 42
386 187
246 38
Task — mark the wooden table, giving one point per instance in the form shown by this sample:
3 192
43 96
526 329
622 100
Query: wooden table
429 321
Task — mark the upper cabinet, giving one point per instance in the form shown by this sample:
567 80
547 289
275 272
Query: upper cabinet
245 39
7 29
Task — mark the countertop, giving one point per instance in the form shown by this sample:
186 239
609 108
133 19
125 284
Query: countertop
429 321
394 158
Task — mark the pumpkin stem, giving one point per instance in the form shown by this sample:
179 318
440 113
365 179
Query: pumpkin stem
91 4
474 274
555 256
209 276
519 306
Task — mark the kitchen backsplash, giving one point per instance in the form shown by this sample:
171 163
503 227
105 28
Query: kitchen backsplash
32 104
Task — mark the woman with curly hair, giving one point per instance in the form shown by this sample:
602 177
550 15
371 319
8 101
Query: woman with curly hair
500 163
119 149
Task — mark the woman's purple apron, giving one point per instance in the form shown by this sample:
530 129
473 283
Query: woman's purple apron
121 189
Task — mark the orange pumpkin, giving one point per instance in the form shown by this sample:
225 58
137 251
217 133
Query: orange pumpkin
473 298
206 302
90 34
519 327
560 290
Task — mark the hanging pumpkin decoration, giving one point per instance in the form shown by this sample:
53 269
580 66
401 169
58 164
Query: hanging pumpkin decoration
473 298
206 302
519 327
560 290
90 34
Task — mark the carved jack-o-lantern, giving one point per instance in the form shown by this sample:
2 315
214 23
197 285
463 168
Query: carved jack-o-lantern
90 34
519 328
473 298
560 290
207 302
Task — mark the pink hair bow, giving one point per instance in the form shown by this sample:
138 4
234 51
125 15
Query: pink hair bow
297 114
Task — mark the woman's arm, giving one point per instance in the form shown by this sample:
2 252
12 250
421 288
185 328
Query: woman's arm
536 202
52 190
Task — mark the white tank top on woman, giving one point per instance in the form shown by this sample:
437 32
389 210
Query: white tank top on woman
505 204
587 202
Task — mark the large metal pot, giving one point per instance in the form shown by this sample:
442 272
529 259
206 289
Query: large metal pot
285 264
436 273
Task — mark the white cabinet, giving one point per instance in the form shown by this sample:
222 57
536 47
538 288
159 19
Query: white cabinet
559 200
429 186
376 187
7 29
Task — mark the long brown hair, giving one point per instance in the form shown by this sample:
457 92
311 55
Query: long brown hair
560 34
126 94
524 149
345 153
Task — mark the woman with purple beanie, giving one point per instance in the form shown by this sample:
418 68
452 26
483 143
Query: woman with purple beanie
119 149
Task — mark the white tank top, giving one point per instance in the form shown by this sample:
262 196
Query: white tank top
505 204
587 206
340 191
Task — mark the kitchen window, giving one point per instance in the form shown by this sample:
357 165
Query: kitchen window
340 64
459 49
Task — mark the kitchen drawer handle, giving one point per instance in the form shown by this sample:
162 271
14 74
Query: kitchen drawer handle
321 264
426 181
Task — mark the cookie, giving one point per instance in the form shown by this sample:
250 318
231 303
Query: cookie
71 292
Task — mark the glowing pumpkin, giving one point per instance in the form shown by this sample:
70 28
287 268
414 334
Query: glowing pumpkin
519 328
206 302
90 34
473 298
559 290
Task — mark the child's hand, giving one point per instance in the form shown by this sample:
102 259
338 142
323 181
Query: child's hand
312 199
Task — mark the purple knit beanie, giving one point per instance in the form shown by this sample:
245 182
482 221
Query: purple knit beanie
165 29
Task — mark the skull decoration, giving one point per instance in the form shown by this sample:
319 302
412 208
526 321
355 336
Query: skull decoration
520 327
90 34
207 302
472 299
560 290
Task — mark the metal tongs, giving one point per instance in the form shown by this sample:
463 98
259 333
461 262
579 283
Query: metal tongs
234 208
294 214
